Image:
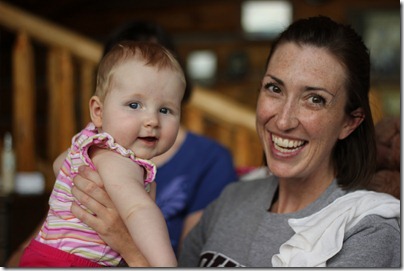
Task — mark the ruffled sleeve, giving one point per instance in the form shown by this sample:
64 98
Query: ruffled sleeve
104 140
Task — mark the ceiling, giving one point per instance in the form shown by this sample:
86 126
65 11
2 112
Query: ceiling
95 18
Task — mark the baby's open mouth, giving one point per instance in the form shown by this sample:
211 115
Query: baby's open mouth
148 138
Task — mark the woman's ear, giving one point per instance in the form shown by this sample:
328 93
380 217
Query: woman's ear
354 120
95 105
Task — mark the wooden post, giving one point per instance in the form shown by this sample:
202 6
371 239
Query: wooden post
242 147
67 123
24 103
256 153
224 134
54 101
61 102
87 89
193 119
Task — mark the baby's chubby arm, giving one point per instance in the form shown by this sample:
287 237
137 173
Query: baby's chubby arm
57 164
123 181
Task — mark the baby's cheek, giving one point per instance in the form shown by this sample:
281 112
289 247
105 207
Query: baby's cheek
169 137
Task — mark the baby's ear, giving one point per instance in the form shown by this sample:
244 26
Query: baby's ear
95 105
353 121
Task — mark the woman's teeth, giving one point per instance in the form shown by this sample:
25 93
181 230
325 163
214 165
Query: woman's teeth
286 145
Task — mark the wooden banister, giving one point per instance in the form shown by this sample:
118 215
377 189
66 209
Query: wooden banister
47 33
223 108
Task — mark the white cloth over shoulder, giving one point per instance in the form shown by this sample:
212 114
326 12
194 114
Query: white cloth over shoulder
319 236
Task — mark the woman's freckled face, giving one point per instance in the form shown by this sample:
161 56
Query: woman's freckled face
300 110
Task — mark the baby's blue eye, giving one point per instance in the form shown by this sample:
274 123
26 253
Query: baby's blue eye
164 110
134 105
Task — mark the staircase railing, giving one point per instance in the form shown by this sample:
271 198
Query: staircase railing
70 62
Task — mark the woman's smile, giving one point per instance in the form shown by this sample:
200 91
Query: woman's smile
286 147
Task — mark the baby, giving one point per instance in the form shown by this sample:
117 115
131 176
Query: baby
135 116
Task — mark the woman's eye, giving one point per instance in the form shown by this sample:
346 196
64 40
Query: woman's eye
317 99
272 87
164 110
134 105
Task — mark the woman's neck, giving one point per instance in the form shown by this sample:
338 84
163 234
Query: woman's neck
296 194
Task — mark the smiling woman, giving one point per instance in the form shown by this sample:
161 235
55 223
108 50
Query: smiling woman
314 122
301 102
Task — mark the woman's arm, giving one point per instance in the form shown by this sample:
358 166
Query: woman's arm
217 174
189 223
374 242
88 189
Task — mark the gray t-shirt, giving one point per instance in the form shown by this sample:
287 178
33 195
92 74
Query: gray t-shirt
238 230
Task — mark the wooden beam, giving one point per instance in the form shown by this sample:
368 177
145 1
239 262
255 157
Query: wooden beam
224 109
50 34
24 103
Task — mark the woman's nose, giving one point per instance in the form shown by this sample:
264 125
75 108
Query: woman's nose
287 117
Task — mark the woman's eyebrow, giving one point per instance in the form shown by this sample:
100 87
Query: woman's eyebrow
320 89
279 81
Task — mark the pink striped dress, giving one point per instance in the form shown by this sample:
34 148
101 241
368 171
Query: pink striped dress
61 228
